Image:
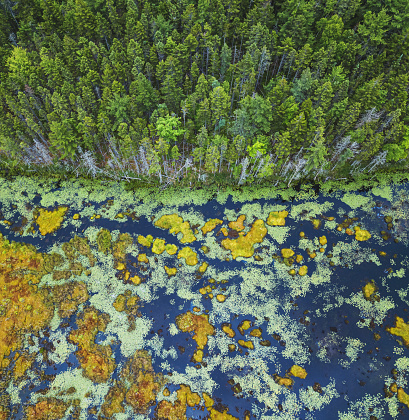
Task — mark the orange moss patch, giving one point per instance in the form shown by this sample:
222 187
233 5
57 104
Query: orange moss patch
401 330
23 308
82 246
95 359
49 409
199 324
144 382
69 296
238 224
277 218
4 413
243 245
165 410
23 362
113 401
175 224
210 225
177 411
49 221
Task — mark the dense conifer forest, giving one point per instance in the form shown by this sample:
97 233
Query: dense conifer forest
197 91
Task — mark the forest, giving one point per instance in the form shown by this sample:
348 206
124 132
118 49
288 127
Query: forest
192 92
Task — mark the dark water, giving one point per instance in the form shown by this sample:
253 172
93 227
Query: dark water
321 330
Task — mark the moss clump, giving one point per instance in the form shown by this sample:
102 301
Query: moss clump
256 332
362 235
210 225
298 371
69 296
303 270
199 324
170 271
189 255
158 246
52 260
94 359
24 308
287 253
403 397
277 218
113 401
238 224
244 325
120 245
145 241
287 382
401 330
243 245
50 409
369 289
175 224
177 410
246 344
227 329
49 221
171 249
104 239
203 267
137 375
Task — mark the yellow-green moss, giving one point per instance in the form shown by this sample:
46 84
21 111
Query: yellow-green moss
50 221
158 246
145 241
277 218
401 329
210 225
189 255
175 224
238 224
243 245
298 371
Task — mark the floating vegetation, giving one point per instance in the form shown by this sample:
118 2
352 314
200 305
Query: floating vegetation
236 318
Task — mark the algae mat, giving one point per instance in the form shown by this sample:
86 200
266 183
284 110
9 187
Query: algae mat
135 305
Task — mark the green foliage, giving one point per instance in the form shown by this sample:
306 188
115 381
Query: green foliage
85 72
168 128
